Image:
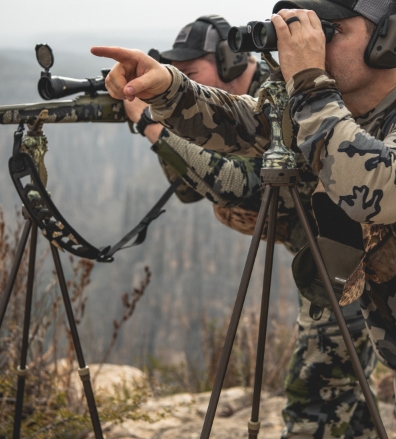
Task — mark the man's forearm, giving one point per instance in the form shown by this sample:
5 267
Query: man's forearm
224 180
202 115
357 170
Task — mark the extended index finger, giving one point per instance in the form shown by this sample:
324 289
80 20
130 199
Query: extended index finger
119 54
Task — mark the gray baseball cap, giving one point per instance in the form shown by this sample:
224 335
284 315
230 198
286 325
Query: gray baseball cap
374 10
193 41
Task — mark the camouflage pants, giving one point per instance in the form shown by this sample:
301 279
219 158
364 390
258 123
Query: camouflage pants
378 303
324 397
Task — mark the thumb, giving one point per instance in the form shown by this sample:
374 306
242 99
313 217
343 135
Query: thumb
148 85
137 87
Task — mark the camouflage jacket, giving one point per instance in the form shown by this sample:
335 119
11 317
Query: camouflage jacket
354 159
356 168
231 182
171 148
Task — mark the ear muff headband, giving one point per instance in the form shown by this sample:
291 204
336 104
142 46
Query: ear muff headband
381 50
229 65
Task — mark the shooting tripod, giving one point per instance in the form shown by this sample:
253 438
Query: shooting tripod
31 228
279 170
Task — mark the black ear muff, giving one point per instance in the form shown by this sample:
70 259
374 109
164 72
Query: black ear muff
381 50
230 65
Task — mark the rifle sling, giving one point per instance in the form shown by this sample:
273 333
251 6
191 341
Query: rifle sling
53 225
141 229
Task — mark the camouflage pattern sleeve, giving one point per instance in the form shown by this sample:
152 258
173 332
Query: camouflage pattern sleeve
184 192
357 170
211 117
223 179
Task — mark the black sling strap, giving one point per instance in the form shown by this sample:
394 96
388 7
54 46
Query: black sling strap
141 229
53 225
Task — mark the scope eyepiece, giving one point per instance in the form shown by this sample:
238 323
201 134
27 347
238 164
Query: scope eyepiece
260 36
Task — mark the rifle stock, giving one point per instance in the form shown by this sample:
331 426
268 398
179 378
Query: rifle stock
83 108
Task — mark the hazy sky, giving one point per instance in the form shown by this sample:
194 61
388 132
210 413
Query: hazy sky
25 22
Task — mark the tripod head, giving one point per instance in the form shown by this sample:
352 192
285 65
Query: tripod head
280 155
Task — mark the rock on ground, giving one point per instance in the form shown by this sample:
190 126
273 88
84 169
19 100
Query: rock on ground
186 415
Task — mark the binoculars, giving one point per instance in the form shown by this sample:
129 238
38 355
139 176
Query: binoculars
260 36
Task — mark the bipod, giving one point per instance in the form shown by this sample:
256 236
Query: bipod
31 227
272 180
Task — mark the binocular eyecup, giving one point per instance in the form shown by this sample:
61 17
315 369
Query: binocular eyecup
260 36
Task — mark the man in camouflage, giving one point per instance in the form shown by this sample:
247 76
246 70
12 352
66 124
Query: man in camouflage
233 184
333 135
194 54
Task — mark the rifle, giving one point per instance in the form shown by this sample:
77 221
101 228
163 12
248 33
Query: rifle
83 108
95 105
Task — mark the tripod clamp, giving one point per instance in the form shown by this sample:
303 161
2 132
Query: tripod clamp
279 177
279 156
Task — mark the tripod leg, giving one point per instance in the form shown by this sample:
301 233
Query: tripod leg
236 314
14 270
83 368
22 370
338 314
254 423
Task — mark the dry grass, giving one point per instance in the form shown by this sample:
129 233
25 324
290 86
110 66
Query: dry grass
52 407
194 378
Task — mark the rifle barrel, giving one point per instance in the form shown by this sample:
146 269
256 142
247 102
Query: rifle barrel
83 108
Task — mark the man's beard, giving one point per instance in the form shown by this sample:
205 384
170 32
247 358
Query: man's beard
328 71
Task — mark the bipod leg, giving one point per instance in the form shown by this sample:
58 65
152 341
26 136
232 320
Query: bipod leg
254 423
83 368
14 270
338 314
236 314
22 369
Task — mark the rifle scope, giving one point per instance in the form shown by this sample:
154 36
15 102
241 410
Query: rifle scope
260 36
55 87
